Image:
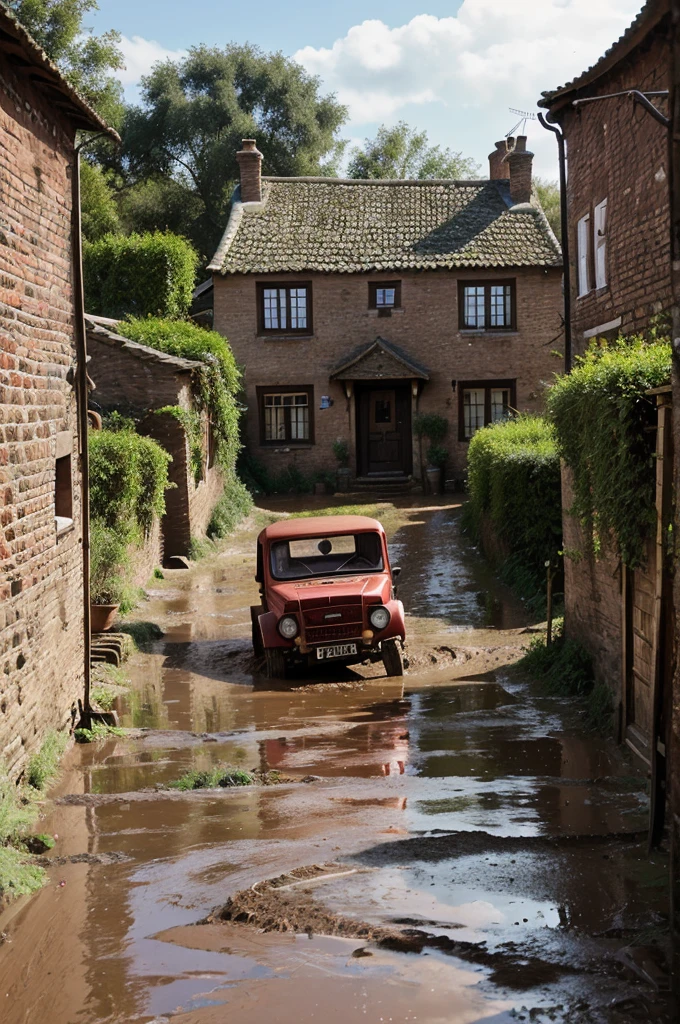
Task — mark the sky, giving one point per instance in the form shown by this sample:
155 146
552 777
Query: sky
452 68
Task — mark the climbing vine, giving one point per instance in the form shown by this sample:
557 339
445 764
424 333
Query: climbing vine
128 480
216 382
604 422
191 423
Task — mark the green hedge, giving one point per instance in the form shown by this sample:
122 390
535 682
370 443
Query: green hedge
149 274
128 480
216 385
603 423
514 483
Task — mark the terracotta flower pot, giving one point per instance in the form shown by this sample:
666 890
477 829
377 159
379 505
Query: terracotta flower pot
102 617
434 479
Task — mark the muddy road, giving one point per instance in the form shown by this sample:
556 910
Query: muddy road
446 847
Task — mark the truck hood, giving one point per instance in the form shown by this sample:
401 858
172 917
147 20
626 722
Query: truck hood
329 590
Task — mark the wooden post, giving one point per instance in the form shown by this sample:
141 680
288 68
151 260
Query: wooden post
548 638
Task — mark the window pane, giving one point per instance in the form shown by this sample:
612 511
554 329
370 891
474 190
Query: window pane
501 313
385 296
473 411
298 308
500 404
473 313
271 309
299 423
274 423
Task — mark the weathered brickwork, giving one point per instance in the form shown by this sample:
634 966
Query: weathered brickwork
618 152
41 624
138 384
425 329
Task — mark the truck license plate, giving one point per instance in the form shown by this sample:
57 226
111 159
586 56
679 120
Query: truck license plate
336 651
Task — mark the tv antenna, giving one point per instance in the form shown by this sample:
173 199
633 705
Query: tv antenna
524 116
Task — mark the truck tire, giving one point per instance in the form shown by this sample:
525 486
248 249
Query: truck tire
391 656
275 663
258 646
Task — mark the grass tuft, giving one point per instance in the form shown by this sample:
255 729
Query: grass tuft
44 765
99 731
104 697
18 876
141 632
219 776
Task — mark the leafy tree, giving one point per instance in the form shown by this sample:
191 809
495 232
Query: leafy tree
549 195
83 58
97 202
403 152
194 114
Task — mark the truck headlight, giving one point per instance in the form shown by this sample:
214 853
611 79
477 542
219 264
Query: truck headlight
380 618
288 627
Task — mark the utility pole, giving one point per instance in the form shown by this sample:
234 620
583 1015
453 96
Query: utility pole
674 737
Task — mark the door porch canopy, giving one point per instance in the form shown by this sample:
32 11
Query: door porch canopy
379 360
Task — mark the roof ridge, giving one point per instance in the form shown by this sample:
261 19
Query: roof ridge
323 180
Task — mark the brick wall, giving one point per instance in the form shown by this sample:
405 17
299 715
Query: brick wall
593 598
41 641
618 152
426 329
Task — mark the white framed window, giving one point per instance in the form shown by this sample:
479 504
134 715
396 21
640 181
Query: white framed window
600 243
583 239
285 416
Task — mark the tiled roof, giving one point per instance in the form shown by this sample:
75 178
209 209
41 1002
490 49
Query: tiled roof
23 50
650 14
99 328
350 226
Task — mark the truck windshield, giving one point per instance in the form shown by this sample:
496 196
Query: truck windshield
326 556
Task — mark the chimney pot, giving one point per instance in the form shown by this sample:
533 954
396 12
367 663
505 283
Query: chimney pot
250 165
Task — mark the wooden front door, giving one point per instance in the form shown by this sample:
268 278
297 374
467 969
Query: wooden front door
384 430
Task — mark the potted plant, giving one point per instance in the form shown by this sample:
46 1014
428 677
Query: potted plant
341 452
434 427
108 575
436 456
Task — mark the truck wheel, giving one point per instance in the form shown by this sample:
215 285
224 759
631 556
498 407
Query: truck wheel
391 656
275 663
258 646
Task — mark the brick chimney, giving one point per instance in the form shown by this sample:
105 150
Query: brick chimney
497 169
250 164
520 161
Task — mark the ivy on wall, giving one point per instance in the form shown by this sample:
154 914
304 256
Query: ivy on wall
216 382
604 422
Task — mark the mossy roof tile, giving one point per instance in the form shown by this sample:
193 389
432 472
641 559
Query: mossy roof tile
344 226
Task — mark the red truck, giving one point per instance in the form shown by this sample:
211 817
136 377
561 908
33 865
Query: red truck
327 594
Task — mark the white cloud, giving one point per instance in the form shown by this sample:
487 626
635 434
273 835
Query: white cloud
140 55
492 55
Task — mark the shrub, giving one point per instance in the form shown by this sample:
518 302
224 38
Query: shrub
216 384
603 419
514 481
431 425
150 274
234 504
341 451
109 565
128 480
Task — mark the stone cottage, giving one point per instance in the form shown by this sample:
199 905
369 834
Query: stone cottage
137 380
355 306
42 648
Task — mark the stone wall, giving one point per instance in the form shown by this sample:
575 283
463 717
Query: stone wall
618 152
425 329
41 622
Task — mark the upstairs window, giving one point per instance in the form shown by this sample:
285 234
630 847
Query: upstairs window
285 414
285 309
600 244
384 296
482 402
583 243
487 306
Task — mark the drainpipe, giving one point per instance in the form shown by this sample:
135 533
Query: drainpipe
81 387
564 220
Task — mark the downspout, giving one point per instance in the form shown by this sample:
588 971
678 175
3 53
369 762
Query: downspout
564 221
81 381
